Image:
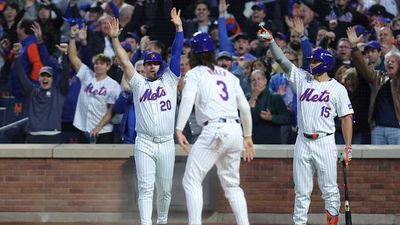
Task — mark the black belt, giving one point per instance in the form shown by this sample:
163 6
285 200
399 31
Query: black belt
315 136
221 120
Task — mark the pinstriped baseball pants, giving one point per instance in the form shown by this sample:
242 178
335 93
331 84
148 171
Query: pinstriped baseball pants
309 156
220 144
154 165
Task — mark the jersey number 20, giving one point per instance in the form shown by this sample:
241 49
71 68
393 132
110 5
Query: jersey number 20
224 95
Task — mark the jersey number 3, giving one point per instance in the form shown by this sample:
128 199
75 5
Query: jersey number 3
224 95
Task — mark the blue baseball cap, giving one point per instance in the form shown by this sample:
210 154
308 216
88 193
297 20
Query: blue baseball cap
153 57
127 46
373 45
360 30
133 35
258 5
280 35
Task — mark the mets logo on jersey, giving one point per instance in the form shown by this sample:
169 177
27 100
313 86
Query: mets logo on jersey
309 96
350 106
151 96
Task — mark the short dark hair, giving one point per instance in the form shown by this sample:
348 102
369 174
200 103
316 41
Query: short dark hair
203 58
26 25
13 6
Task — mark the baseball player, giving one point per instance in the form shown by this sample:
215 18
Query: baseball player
217 96
155 99
319 100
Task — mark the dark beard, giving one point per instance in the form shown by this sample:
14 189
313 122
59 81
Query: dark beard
295 46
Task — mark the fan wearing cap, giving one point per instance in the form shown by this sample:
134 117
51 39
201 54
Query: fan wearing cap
259 15
45 102
374 55
319 100
224 60
384 107
97 96
155 98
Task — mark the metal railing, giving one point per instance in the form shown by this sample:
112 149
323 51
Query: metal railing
14 124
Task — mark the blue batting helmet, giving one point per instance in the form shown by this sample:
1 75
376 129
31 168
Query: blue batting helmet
202 42
153 57
323 56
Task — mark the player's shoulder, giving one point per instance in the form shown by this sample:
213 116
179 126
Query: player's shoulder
226 73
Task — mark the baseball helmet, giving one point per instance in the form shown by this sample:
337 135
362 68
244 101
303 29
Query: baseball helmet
202 42
153 57
324 57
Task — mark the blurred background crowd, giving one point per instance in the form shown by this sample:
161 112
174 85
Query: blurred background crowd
42 30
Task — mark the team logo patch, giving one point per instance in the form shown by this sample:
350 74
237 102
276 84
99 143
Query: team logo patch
350 106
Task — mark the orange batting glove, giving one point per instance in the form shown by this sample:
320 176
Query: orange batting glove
346 155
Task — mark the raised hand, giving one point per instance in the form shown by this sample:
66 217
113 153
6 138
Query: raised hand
63 47
289 22
114 28
298 26
176 18
37 31
352 36
264 34
222 7
74 31
5 43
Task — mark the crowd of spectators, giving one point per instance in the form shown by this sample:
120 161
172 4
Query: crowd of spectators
58 65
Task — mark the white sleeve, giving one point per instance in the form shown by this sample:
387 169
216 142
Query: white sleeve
296 76
344 106
112 98
187 102
245 113
134 82
85 73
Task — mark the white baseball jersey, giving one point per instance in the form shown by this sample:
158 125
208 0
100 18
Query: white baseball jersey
155 103
93 99
318 103
217 93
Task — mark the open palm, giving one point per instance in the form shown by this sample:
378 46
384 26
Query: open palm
114 28
352 36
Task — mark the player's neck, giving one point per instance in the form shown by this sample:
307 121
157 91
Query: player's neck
322 78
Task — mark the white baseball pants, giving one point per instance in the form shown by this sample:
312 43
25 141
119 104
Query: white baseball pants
154 164
220 144
315 155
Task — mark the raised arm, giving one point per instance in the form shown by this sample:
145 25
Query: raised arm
64 82
276 51
122 56
359 63
224 43
72 52
177 46
22 77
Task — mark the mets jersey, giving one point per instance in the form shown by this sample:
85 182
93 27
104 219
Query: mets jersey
217 93
93 99
155 103
318 103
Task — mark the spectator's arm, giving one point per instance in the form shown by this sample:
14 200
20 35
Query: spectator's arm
361 66
114 9
34 58
46 58
282 115
64 82
72 52
106 119
224 42
22 77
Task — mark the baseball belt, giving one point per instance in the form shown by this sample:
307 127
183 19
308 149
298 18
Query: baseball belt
156 139
221 120
315 136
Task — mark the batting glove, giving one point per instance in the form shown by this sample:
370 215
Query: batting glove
265 34
345 155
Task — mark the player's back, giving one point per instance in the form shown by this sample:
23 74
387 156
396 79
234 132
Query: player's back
217 92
